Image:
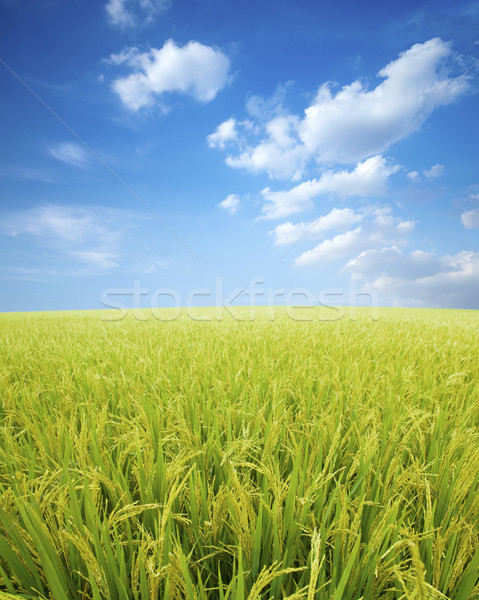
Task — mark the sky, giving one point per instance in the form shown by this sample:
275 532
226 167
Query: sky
166 152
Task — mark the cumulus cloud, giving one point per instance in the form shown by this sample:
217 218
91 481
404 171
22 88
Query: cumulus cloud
434 171
280 154
224 133
337 219
470 219
419 278
379 228
413 175
354 123
337 247
72 154
334 148
230 203
357 122
368 178
392 263
405 227
195 69
130 13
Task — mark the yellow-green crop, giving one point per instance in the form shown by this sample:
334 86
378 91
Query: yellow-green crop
240 460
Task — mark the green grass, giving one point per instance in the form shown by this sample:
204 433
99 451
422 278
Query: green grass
240 460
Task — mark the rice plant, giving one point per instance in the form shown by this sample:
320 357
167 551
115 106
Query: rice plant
239 459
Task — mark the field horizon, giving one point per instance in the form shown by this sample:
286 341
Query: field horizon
227 310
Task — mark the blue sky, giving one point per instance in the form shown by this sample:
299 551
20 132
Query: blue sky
193 146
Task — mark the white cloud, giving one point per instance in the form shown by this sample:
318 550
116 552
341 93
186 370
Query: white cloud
129 13
368 178
73 154
434 171
194 69
392 263
224 133
288 202
419 278
128 55
405 227
337 219
118 13
280 155
230 203
470 219
99 260
378 227
354 123
265 108
70 224
87 234
339 246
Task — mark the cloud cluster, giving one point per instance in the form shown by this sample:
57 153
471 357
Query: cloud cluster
356 125
367 179
357 122
419 278
433 173
280 154
380 227
353 123
337 219
130 13
195 69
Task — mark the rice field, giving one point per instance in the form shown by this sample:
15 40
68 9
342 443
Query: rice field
229 459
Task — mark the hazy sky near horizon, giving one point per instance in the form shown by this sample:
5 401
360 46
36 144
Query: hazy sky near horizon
194 146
